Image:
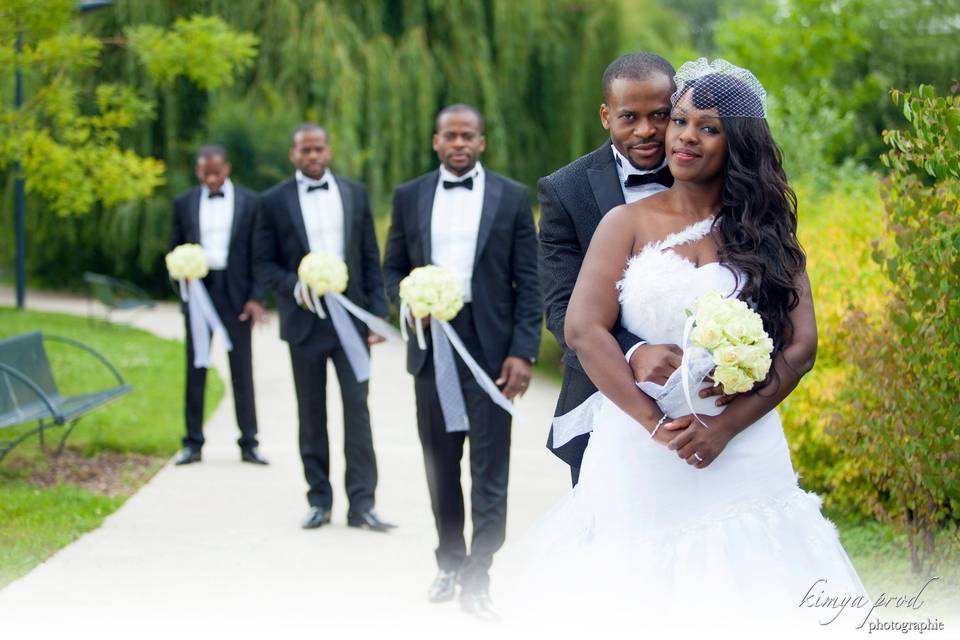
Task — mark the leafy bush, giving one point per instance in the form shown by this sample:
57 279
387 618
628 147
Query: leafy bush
897 415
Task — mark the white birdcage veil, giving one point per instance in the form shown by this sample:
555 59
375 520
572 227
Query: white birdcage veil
733 91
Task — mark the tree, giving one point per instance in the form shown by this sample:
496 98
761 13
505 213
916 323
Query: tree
68 133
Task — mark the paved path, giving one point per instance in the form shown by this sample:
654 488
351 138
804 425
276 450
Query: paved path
217 546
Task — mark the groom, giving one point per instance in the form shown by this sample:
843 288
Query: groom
479 226
629 166
321 212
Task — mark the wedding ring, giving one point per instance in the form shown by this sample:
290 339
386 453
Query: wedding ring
697 456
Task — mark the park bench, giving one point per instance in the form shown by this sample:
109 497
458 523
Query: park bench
115 294
29 393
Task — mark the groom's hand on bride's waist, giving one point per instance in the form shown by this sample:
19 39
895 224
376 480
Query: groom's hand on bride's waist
655 362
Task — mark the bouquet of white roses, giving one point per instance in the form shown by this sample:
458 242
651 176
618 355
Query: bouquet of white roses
187 262
733 334
432 291
323 273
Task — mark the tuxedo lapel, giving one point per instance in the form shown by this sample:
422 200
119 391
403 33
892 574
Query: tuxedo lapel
492 190
604 182
346 202
291 196
425 195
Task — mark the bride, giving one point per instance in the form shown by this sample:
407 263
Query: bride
688 513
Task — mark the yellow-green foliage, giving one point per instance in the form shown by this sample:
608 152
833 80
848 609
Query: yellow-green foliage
836 229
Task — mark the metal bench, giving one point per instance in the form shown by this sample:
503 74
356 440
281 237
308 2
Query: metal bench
115 294
28 391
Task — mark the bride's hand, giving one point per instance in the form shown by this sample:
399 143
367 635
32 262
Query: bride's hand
669 430
696 444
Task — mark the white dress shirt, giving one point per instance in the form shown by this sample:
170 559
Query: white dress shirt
454 224
216 222
624 169
322 214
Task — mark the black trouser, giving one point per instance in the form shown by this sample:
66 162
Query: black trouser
489 468
241 371
310 377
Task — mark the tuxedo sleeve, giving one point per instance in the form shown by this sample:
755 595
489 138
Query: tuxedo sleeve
372 275
560 260
396 261
256 289
177 232
527 311
268 266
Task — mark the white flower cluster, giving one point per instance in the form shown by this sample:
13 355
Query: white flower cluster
432 291
323 273
733 334
187 262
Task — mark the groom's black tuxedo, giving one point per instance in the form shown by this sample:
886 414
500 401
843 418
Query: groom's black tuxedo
502 320
230 289
281 242
573 200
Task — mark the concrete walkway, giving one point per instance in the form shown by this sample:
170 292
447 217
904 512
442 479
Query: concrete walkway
216 548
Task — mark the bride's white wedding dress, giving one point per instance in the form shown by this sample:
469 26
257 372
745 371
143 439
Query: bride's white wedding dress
649 537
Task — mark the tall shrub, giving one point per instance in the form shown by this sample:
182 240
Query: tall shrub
898 418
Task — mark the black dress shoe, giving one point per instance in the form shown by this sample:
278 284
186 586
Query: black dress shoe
187 455
316 517
478 603
368 520
444 586
253 456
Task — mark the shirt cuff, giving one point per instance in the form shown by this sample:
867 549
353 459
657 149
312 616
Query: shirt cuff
629 353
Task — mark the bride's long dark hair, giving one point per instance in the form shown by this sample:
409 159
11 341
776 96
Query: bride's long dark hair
757 222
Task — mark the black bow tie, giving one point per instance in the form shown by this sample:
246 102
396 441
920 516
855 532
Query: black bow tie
323 185
466 184
660 176
216 194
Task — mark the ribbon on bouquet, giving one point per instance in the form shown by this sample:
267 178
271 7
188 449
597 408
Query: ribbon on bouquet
685 368
204 321
354 345
445 341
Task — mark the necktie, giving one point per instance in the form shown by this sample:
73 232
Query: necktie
660 176
216 194
323 185
466 184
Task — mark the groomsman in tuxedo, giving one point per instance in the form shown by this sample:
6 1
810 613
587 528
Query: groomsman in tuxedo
629 166
220 216
479 225
318 211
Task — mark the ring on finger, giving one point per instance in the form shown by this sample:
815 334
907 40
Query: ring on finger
697 456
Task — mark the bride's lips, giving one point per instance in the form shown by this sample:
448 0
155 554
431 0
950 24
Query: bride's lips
685 155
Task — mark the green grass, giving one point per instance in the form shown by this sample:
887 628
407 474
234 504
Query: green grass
35 521
882 558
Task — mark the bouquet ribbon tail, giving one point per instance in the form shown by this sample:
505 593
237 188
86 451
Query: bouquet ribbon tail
685 368
445 342
354 345
378 325
204 322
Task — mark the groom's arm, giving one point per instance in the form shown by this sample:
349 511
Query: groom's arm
560 260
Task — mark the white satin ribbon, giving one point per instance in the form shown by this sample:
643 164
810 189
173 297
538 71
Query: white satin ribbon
445 336
353 343
204 321
685 369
